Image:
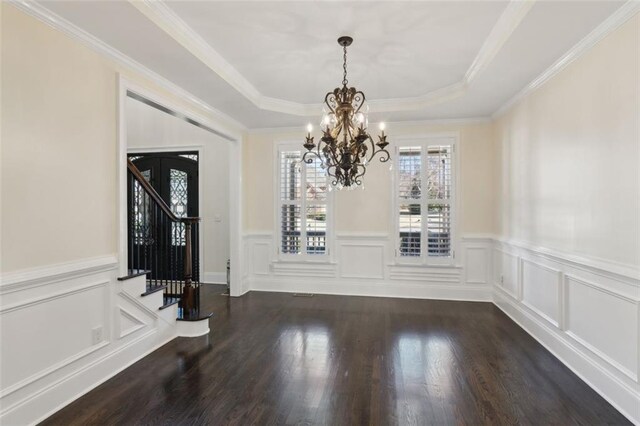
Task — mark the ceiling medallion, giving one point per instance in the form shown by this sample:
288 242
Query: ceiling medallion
345 147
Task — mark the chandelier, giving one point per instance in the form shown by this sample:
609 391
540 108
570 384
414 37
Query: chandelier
345 147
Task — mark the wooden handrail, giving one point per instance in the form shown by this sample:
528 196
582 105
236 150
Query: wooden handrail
156 197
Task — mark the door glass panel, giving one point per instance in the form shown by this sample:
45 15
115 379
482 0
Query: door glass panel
141 211
178 196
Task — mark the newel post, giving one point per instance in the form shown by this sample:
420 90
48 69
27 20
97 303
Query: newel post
188 292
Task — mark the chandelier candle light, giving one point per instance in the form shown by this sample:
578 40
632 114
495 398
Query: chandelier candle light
345 147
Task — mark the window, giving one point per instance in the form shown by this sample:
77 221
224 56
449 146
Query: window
302 204
425 194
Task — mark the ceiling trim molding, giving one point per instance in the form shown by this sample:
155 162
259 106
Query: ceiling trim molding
390 125
510 19
55 21
166 19
612 23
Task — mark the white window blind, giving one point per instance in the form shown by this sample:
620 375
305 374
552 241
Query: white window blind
425 201
410 203
303 205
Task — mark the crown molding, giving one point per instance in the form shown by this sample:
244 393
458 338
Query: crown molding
166 19
612 23
510 19
390 125
55 21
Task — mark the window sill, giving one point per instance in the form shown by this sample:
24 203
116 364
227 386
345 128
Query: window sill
304 262
424 265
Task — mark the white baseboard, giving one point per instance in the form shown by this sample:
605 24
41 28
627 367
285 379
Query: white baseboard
397 289
62 360
52 399
215 278
623 397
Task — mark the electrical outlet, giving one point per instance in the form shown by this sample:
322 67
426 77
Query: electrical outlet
96 335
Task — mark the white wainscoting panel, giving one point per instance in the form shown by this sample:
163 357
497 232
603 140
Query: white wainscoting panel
587 313
363 264
476 262
541 288
506 273
612 336
60 322
71 327
361 260
261 257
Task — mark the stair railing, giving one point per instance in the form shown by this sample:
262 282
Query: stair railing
162 243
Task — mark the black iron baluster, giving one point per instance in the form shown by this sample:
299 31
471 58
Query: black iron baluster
160 246
154 269
130 210
174 254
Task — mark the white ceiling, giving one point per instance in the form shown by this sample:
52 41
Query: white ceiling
288 50
269 64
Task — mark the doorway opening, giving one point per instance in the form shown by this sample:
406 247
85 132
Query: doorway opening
174 176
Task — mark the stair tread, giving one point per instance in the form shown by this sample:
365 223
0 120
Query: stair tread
154 289
169 301
132 273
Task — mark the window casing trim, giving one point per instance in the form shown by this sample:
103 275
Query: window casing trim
425 140
303 257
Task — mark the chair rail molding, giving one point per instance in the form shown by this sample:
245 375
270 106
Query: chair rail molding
585 311
62 359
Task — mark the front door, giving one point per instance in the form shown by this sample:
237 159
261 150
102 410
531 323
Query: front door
174 176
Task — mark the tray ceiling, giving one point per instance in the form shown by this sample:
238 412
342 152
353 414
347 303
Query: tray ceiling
269 64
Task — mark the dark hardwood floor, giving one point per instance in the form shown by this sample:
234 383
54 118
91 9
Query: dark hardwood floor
277 359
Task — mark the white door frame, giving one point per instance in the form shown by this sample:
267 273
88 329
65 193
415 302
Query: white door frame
235 176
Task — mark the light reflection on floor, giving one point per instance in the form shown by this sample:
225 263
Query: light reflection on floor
421 361
305 355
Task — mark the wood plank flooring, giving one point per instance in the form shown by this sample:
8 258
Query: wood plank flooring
275 359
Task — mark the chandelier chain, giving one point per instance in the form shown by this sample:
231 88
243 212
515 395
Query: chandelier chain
344 66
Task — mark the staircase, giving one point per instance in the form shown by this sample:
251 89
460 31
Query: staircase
163 266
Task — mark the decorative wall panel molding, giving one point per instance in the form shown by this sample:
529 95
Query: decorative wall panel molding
71 327
22 280
541 290
364 265
129 323
586 314
608 335
361 260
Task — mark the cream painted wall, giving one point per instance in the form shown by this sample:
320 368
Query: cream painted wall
58 147
568 156
59 144
147 128
368 210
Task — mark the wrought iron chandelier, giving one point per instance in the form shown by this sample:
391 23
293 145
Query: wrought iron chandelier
345 147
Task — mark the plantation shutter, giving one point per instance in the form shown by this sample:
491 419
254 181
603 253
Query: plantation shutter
438 198
424 189
303 205
410 200
290 220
